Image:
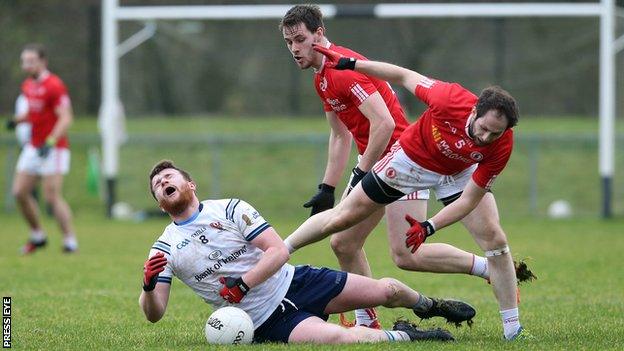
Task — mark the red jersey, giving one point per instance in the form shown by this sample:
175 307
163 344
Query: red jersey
439 139
344 91
44 95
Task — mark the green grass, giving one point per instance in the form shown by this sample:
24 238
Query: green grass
89 300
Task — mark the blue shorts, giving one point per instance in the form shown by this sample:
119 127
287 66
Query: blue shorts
310 291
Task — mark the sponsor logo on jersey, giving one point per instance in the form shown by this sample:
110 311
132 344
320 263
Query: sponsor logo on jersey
477 156
220 263
217 225
247 220
444 147
323 84
183 244
336 105
215 254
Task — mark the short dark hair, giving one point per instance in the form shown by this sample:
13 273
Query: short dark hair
162 165
496 98
308 14
38 48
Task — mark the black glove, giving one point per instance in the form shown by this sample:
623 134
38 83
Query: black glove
44 149
322 200
10 124
358 174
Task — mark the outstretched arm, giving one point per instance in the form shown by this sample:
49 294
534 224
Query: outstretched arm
386 71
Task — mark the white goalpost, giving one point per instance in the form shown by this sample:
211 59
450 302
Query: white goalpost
111 120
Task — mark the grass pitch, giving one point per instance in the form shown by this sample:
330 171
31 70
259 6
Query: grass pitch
89 300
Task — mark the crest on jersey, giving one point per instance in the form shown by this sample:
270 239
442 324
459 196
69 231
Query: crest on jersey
390 172
247 219
477 156
323 84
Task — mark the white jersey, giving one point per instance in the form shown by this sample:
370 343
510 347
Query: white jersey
215 243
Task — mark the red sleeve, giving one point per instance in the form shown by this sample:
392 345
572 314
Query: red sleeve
434 93
493 165
354 86
58 94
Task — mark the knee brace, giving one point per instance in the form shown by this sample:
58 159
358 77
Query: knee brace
497 252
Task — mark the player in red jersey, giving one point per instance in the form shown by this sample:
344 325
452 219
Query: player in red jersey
365 109
457 148
46 156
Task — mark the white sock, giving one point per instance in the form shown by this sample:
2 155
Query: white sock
397 335
511 322
289 246
70 242
480 267
37 236
365 316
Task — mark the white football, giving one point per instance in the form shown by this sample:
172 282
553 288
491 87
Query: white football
560 209
229 326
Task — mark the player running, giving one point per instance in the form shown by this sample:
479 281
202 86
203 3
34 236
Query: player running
458 147
228 254
364 108
46 155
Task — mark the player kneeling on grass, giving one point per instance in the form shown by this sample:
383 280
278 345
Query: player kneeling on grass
228 254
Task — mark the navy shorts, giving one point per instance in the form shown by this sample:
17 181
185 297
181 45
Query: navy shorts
310 291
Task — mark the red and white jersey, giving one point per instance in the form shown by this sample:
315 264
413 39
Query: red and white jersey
439 139
344 91
44 95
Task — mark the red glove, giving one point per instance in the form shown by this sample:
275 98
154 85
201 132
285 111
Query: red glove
234 289
151 268
418 232
334 59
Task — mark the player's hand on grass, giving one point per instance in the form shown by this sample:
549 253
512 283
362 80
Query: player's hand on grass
418 232
334 59
152 267
322 200
358 174
234 289
10 124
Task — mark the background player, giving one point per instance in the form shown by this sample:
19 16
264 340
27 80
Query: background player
227 253
365 109
46 155
457 148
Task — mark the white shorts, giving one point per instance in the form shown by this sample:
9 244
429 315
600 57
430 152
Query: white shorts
416 195
402 174
57 161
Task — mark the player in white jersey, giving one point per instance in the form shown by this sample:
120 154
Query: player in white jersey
228 254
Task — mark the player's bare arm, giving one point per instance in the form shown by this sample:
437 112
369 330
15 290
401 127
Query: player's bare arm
65 119
154 303
381 127
338 150
274 257
391 73
460 208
